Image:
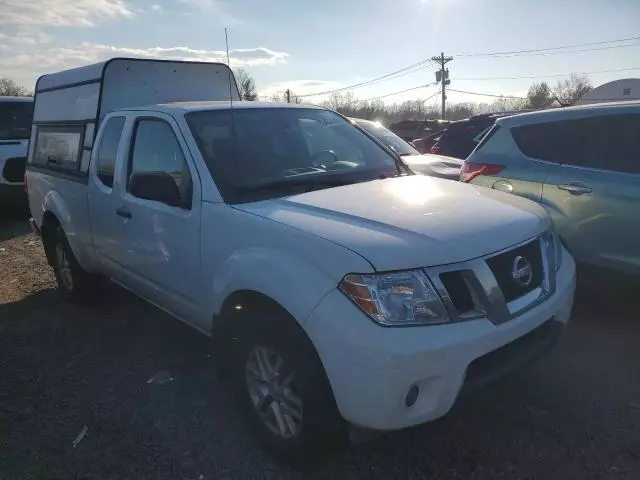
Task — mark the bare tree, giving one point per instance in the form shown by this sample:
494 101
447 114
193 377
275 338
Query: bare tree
572 89
246 85
540 96
458 111
11 88
294 97
345 103
504 104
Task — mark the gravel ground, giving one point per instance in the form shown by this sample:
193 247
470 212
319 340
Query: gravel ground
76 400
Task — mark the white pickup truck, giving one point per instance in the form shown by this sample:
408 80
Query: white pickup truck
15 124
339 289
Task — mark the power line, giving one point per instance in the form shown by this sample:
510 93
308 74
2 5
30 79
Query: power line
486 94
398 73
548 49
402 91
560 52
513 53
548 76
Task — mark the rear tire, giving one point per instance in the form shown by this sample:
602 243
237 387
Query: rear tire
74 283
282 389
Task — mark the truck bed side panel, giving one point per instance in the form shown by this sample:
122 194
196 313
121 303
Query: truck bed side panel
70 209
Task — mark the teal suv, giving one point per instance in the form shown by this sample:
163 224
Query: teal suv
582 164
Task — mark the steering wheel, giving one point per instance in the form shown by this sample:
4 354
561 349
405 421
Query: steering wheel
324 158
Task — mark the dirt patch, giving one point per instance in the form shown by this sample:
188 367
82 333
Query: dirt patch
24 269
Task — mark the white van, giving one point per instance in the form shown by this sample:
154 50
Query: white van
15 127
339 288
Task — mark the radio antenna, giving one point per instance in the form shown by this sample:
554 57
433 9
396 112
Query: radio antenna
226 42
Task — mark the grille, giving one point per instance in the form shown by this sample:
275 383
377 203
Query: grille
14 168
458 291
502 267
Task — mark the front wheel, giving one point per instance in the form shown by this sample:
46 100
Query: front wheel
283 390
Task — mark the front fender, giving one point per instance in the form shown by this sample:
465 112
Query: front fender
297 285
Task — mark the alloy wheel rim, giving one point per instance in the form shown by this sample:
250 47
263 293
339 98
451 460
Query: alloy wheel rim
274 393
64 268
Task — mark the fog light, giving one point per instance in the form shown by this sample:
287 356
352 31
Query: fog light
412 396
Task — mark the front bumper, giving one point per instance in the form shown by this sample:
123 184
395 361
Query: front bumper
371 368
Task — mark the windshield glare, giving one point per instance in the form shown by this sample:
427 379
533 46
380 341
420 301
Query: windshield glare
15 120
387 137
282 144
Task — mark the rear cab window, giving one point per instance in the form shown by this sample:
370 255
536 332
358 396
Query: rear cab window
108 149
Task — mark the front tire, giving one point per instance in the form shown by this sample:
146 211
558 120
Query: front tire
282 389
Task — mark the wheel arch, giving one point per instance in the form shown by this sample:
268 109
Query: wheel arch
243 300
248 300
50 223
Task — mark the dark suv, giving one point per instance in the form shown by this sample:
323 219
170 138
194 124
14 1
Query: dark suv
460 138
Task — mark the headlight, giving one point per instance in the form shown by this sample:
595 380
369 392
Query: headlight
401 298
554 250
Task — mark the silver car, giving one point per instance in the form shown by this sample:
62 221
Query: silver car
425 164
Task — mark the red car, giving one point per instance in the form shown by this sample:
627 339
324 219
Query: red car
423 145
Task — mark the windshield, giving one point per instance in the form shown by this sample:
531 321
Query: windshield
387 137
15 120
288 149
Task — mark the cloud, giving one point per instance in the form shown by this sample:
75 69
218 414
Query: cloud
26 67
23 36
61 13
157 8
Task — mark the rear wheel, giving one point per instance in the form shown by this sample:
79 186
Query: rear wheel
283 390
73 281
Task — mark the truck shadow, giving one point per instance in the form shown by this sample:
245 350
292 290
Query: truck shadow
13 224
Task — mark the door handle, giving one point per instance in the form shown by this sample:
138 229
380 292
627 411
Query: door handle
576 188
121 212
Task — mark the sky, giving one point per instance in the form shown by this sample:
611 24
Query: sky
313 46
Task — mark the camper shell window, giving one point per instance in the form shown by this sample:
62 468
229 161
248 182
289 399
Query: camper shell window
59 146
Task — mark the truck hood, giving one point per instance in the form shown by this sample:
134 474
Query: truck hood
410 222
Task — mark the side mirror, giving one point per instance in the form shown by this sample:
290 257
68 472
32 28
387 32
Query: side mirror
158 186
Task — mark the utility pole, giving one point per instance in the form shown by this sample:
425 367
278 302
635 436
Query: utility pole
442 76
288 95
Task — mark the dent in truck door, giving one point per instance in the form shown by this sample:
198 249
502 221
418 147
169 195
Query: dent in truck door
160 254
